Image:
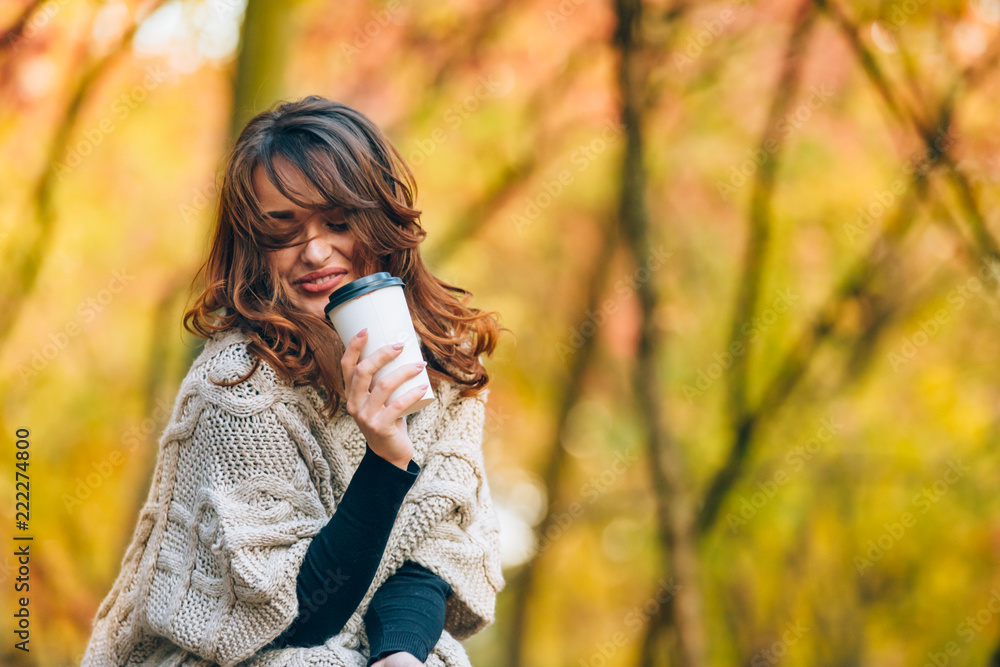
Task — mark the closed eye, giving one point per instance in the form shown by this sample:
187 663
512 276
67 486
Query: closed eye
336 220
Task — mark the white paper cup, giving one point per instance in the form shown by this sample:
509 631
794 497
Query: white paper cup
377 302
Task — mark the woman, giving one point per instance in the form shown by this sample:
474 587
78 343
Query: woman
294 517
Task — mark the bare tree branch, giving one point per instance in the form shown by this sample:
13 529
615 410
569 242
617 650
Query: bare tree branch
20 282
797 361
931 136
472 39
755 256
522 584
16 30
480 213
856 281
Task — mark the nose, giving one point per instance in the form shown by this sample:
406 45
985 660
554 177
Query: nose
317 249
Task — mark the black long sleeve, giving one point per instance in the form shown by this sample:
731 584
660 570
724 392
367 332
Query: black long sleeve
343 557
407 613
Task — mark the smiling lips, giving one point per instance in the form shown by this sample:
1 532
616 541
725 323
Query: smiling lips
321 281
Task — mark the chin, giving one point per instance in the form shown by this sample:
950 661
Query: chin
317 310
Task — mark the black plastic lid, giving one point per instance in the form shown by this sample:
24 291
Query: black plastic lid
361 286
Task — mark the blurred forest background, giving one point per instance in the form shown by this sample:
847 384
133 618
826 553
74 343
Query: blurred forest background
748 251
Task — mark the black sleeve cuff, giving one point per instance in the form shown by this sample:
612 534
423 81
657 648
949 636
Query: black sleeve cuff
407 613
343 557
412 643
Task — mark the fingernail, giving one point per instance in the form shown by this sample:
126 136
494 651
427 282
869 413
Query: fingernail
398 346
423 386
421 364
363 332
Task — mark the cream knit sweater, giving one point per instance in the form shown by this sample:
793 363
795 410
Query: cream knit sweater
245 477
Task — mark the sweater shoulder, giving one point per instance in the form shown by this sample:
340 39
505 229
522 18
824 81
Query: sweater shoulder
226 374
226 357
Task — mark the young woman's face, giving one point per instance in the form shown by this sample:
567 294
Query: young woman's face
316 268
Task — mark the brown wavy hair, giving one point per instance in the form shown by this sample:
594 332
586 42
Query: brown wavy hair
353 166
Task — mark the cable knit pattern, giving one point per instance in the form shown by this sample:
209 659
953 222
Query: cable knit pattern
245 477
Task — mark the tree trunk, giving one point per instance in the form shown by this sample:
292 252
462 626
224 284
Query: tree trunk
674 514
259 79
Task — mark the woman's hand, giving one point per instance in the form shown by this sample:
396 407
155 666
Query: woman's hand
401 659
382 425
